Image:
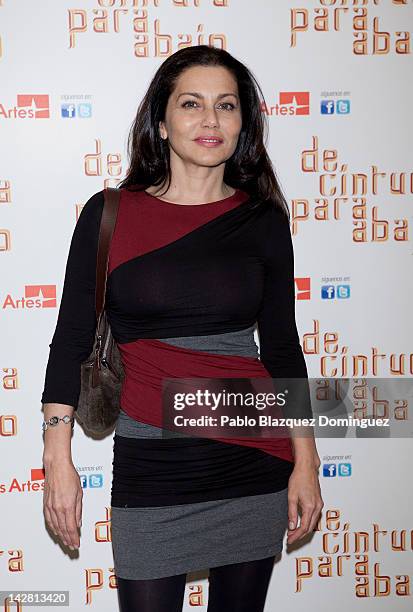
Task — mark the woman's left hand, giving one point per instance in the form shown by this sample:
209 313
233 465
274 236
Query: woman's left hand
303 491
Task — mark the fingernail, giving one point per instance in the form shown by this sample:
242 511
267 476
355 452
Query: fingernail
291 524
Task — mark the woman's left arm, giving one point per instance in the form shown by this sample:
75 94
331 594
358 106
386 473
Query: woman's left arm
282 355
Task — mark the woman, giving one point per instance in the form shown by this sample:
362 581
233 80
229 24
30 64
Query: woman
201 253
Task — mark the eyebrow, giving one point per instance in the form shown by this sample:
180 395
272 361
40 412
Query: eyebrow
198 95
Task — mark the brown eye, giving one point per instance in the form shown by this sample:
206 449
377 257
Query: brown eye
229 104
188 102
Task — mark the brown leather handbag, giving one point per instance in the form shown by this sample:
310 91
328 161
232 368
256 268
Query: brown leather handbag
102 372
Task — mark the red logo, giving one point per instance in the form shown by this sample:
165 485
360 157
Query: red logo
298 100
37 474
47 292
35 296
303 288
35 106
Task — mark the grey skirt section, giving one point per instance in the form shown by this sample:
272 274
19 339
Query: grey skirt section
169 540
160 541
239 342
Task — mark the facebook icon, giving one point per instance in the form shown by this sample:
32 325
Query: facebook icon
68 111
329 469
327 292
327 107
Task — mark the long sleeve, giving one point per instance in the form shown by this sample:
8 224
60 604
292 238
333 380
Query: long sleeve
280 349
74 334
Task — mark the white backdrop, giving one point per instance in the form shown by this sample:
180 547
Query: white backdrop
72 75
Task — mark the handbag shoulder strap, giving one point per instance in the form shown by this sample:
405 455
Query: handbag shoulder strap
107 225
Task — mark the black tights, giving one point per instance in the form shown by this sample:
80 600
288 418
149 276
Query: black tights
238 587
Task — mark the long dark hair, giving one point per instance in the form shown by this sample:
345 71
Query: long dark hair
249 168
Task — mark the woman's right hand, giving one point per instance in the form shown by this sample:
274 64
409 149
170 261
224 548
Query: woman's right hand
62 501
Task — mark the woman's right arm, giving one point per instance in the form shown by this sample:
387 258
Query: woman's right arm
71 344
63 494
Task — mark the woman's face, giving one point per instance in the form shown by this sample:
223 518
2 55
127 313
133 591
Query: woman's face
204 104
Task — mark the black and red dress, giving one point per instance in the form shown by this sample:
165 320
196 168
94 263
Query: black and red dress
188 285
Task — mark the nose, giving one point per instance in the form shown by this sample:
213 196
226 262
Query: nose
210 117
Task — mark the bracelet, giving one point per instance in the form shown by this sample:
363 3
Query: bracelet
54 420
